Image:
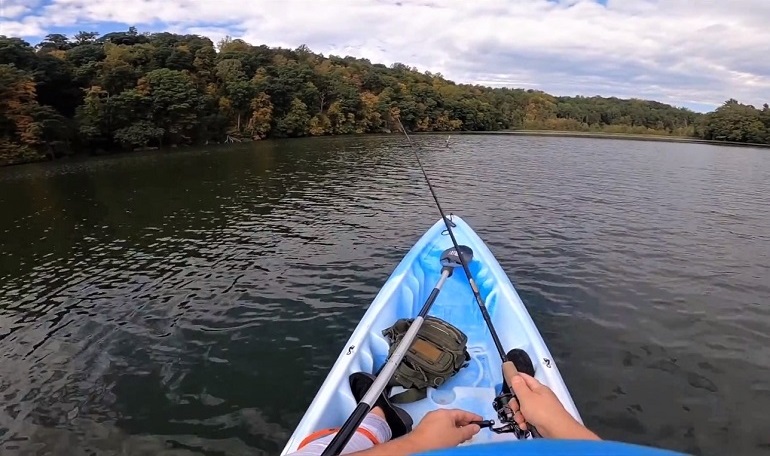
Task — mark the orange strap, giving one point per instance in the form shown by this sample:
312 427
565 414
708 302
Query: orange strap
317 435
328 431
368 435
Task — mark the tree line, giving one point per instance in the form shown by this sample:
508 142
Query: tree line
128 90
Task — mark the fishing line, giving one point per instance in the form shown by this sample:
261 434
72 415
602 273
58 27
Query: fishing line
448 223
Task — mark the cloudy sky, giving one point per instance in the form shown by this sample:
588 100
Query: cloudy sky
694 53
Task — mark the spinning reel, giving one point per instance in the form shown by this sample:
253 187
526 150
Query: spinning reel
505 415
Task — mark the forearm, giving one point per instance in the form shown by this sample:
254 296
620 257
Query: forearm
568 428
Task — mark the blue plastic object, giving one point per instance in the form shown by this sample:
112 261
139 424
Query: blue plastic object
401 296
541 447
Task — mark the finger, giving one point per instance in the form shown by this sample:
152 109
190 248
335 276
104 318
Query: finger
531 382
520 387
467 432
462 417
514 405
518 417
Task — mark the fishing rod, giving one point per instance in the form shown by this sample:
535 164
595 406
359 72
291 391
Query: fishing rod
509 369
450 259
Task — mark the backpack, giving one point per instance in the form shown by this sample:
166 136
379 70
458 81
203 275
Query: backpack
438 352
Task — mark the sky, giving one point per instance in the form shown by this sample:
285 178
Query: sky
692 53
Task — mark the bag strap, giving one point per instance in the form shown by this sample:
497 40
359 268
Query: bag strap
415 382
410 395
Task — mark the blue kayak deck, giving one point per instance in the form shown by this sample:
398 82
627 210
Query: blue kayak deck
402 296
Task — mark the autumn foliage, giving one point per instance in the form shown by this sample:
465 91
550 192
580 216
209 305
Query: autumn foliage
128 90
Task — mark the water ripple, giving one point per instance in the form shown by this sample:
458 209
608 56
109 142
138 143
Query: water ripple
163 302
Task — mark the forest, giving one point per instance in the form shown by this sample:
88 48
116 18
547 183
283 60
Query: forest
127 90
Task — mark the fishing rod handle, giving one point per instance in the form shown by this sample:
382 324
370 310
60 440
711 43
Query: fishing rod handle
510 371
367 402
347 430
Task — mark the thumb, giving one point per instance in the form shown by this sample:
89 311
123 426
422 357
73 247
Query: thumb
532 382
520 387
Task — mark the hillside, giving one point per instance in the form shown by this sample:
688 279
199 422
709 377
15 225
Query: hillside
129 90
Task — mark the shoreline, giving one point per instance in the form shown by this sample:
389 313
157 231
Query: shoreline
602 135
543 133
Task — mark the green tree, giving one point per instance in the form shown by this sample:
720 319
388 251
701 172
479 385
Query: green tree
139 134
261 116
764 117
735 122
82 38
17 52
93 118
23 128
174 103
54 41
237 92
296 121
56 84
117 72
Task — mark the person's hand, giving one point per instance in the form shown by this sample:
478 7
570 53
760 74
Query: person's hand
443 428
539 405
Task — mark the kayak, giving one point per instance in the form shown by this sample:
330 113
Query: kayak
475 386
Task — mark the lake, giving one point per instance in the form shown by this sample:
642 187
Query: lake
193 301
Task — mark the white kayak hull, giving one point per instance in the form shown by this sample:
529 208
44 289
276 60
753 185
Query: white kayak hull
402 296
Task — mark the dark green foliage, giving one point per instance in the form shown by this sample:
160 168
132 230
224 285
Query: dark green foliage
130 89
736 122
56 85
139 134
16 52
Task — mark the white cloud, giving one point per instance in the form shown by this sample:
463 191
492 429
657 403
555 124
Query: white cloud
677 51
16 18
10 9
28 26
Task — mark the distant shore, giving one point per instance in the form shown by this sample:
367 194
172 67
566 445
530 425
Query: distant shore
601 135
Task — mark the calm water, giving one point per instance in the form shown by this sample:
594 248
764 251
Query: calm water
192 302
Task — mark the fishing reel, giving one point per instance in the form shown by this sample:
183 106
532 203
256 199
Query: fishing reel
505 415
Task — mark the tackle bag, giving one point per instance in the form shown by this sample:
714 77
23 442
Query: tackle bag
438 352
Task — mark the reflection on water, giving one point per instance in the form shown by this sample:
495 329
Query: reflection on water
192 302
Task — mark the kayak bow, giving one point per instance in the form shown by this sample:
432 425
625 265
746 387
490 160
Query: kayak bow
475 387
